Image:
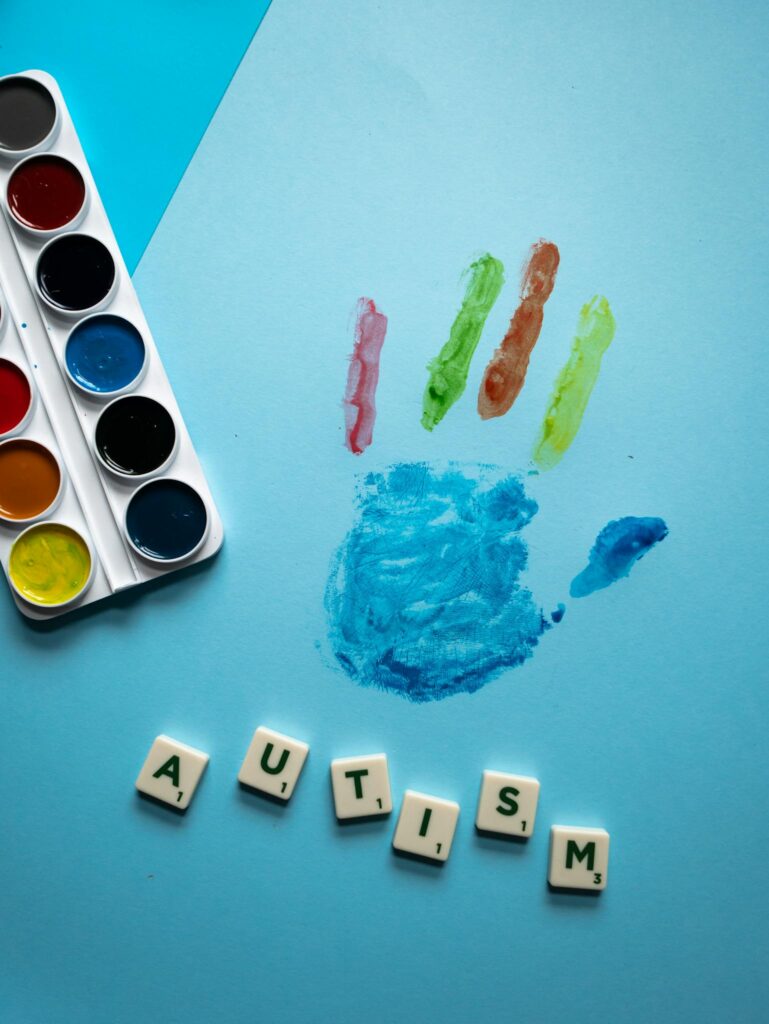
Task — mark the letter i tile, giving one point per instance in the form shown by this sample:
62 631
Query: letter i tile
426 826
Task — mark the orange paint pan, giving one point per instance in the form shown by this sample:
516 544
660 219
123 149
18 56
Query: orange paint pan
30 480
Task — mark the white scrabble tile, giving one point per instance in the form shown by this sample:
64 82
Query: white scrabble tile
507 804
172 772
273 763
579 857
361 786
426 825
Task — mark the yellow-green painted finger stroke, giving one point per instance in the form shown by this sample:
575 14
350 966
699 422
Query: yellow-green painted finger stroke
575 382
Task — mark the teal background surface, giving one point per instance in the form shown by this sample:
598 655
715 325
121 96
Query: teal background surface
141 80
367 149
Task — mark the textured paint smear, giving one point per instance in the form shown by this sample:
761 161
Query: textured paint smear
506 372
448 371
619 545
425 597
575 383
363 376
558 613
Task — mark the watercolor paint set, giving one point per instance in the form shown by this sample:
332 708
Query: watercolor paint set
100 486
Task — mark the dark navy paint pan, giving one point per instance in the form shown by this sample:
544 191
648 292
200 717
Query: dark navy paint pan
166 521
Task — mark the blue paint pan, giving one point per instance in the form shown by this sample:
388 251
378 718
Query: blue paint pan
105 355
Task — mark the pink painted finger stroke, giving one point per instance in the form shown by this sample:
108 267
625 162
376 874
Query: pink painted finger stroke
363 376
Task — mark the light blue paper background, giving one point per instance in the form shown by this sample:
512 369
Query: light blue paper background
372 150
141 80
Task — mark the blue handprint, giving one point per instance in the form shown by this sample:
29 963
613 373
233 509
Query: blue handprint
425 597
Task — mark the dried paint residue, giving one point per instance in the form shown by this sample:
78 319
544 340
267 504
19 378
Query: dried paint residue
448 371
575 382
505 375
363 376
425 596
619 545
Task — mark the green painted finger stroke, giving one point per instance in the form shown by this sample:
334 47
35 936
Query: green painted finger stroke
448 371
575 382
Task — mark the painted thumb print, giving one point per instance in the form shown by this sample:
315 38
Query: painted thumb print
426 596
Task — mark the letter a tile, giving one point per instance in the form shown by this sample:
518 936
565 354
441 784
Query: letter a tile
172 772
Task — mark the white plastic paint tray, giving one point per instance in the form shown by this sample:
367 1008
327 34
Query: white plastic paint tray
93 499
